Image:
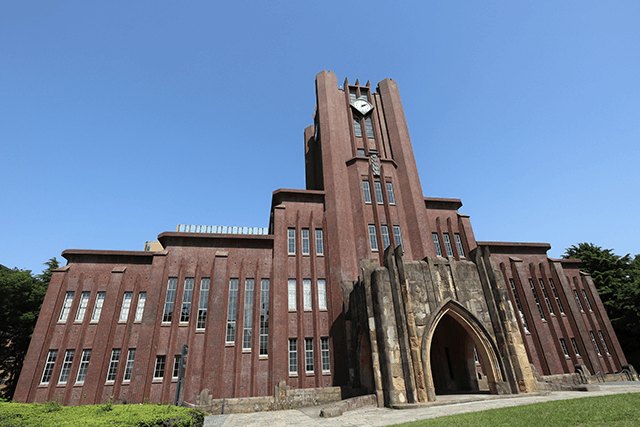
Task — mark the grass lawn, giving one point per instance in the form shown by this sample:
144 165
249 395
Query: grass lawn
614 410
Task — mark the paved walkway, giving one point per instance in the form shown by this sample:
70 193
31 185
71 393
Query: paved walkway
371 416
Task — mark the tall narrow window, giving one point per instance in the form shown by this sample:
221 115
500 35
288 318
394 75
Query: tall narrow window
575 293
126 305
176 366
82 308
519 305
436 243
293 356
595 343
158 372
353 94
390 195
556 296
306 294
84 366
564 347
606 347
366 191
264 317
322 294
586 298
373 238
308 355
575 346
231 311
128 368
385 236
324 348
187 294
305 241
113 365
293 302
48 366
397 235
66 366
203 303
535 297
170 299
247 325
291 241
546 296
66 307
459 244
369 126
447 244
142 298
378 188
97 307
319 242
356 125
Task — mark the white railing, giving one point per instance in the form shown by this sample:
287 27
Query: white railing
221 229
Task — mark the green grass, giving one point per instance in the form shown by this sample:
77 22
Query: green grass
615 410
51 414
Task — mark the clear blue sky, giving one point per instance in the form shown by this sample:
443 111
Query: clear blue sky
121 119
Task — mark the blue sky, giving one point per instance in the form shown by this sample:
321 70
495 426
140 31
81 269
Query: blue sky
120 119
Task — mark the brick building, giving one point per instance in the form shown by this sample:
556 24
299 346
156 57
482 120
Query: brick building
359 281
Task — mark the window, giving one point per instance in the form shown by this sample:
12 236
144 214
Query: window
203 303
586 298
142 298
126 305
373 239
535 296
291 241
82 308
293 303
397 235
48 366
459 244
84 365
546 296
97 307
113 365
564 347
176 366
385 236
356 125
360 152
575 346
319 242
367 191
66 366
519 305
158 373
324 351
556 296
353 94
187 294
390 195
308 355
595 343
322 294
231 311
293 356
578 299
306 294
447 244
170 299
305 241
66 307
128 369
264 317
606 347
378 189
436 243
247 325
369 125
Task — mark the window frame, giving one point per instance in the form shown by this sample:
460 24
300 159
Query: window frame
170 300
247 320
97 307
306 242
112 372
264 318
325 354
319 242
67 362
84 365
125 307
366 191
459 244
390 194
373 238
142 299
309 362
49 365
159 368
377 186
232 312
82 306
293 357
436 244
128 367
203 303
322 294
66 306
292 297
291 241
447 244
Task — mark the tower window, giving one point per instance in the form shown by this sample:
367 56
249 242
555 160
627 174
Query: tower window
369 126
378 188
397 235
367 191
292 295
305 241
291 241
390 195
459 244
447 244
319 242
293 356
357 127
385 236
373 238
436 243
322 294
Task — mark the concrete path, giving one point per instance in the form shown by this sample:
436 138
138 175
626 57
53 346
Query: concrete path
371 416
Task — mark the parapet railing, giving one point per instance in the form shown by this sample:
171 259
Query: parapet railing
221 229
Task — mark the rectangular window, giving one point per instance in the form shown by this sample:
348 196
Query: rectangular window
66 366
231 311
436 243
385 236
519 305
247 325
84 366
305 241
378 189
390 195
586 298
308 355
595 343
319 242
97 307
170 299
66 307
324 348
556 296
187 294
142 298
369 125
126 305
322 294
578 299
48 366
353 95
203 303
360 152
158 372
128 369
306 294
575 346
293 302
447 244
82 308
546 296
564 347
367 191
293 356
535 296
459 244
264 317
113 365
356 126
176 366
291 241
397 235
373 238
606 347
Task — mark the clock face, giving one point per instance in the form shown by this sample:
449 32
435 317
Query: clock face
362 106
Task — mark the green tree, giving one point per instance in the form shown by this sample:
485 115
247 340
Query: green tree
22 296
617 279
